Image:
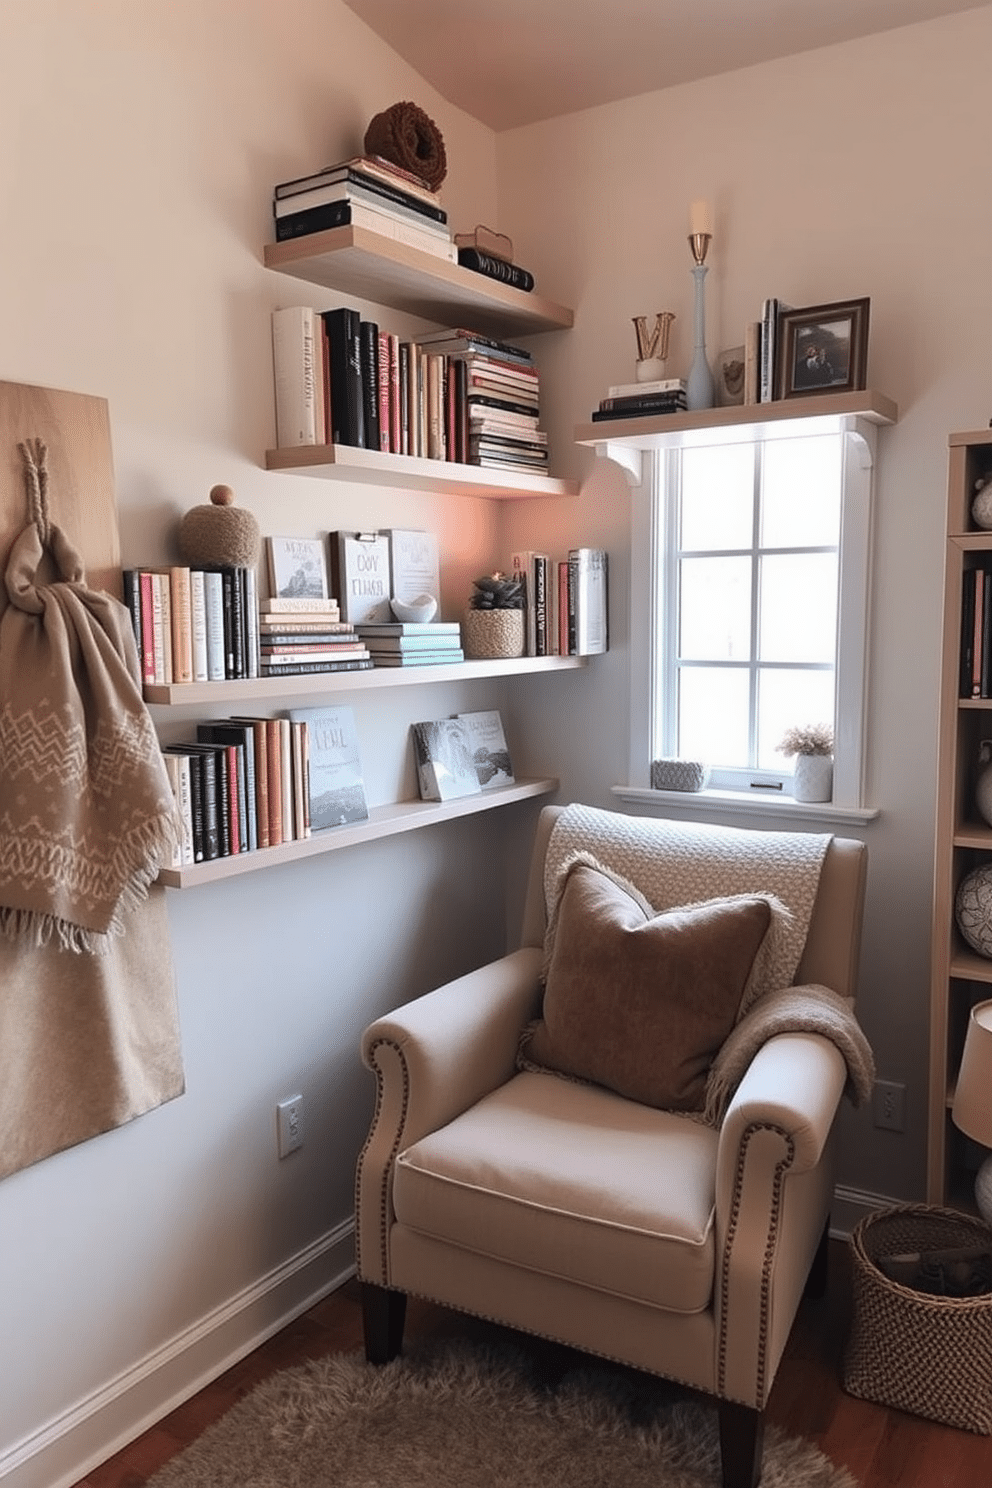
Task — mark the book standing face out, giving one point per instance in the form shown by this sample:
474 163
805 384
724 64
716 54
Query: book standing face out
337 789
487 745
445 768
297 567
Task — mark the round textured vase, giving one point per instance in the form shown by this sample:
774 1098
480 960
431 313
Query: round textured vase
813 777
973 909
491 634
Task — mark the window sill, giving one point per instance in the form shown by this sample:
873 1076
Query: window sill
736 803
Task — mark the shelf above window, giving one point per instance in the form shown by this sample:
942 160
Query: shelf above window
820 414
384 821
376 268
345 462
319 684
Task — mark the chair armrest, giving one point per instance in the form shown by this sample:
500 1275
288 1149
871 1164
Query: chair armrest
794 1083
432 1059
774 1184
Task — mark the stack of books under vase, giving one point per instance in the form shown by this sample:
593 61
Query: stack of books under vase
642 400
369 193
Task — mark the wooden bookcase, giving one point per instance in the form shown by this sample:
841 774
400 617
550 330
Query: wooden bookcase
962 841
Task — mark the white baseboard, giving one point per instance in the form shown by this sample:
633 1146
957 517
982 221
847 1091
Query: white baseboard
68 1447
851 1205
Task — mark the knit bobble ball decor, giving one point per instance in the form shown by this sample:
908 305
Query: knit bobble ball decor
220 535
405 136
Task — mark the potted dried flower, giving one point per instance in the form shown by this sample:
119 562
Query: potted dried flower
494 622
813 773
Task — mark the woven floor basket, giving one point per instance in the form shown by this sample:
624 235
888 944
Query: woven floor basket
931 1356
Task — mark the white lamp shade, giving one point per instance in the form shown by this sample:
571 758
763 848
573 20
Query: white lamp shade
972 1109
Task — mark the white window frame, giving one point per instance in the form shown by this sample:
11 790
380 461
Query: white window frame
649 475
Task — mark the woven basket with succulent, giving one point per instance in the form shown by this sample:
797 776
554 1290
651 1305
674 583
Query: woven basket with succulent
494 622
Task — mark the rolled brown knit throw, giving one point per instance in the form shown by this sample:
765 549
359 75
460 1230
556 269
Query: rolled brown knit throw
404 135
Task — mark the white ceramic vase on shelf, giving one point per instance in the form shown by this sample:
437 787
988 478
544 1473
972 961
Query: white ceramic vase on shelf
813 777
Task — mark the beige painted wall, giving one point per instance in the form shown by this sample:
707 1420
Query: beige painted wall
139 141
857 170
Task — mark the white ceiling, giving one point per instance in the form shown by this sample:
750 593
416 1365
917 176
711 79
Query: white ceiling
512 62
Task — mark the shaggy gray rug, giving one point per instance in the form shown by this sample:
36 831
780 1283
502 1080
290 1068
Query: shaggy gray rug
465 1415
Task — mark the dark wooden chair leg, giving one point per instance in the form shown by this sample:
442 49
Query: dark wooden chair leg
741 1437
816 1281
383 1315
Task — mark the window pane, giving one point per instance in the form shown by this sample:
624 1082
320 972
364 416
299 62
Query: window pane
713 715
717 508
801 492
715 596
790 698
798 608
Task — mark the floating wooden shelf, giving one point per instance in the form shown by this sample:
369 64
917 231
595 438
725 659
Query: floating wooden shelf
344 462
376 268
384 821
319 684
750 421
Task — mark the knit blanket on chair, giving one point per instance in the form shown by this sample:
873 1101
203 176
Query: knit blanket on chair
675 863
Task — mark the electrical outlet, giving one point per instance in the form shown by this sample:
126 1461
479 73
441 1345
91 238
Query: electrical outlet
889 1105
289 1124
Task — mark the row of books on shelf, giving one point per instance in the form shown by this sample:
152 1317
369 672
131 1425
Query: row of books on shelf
448 395
976 633
371 193
642 399
245 783
566 609
208 625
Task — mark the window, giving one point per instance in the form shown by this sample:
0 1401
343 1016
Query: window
750 582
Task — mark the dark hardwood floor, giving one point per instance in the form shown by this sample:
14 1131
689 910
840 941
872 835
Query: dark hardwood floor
882 1448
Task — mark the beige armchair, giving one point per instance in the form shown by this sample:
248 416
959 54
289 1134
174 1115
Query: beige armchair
566 1210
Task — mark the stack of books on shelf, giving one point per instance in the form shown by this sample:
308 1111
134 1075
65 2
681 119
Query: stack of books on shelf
365 192
250 783
412 643
642 400
566 602
300 627
194 625
451 395
500 399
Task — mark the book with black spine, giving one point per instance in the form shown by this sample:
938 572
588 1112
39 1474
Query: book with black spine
385 223
496 268
368 346
347 399
241 736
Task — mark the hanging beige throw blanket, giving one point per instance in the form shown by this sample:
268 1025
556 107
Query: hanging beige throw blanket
88 1025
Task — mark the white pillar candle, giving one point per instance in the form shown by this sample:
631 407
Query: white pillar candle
700 218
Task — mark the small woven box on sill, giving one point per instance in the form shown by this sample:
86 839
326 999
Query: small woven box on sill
678 775
929 1355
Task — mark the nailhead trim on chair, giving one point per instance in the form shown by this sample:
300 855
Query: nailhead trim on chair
383 1217
770 1246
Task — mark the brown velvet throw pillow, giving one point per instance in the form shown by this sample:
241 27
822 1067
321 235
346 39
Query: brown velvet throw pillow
642 1002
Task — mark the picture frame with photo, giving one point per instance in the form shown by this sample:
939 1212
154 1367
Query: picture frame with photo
823 349
297 568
